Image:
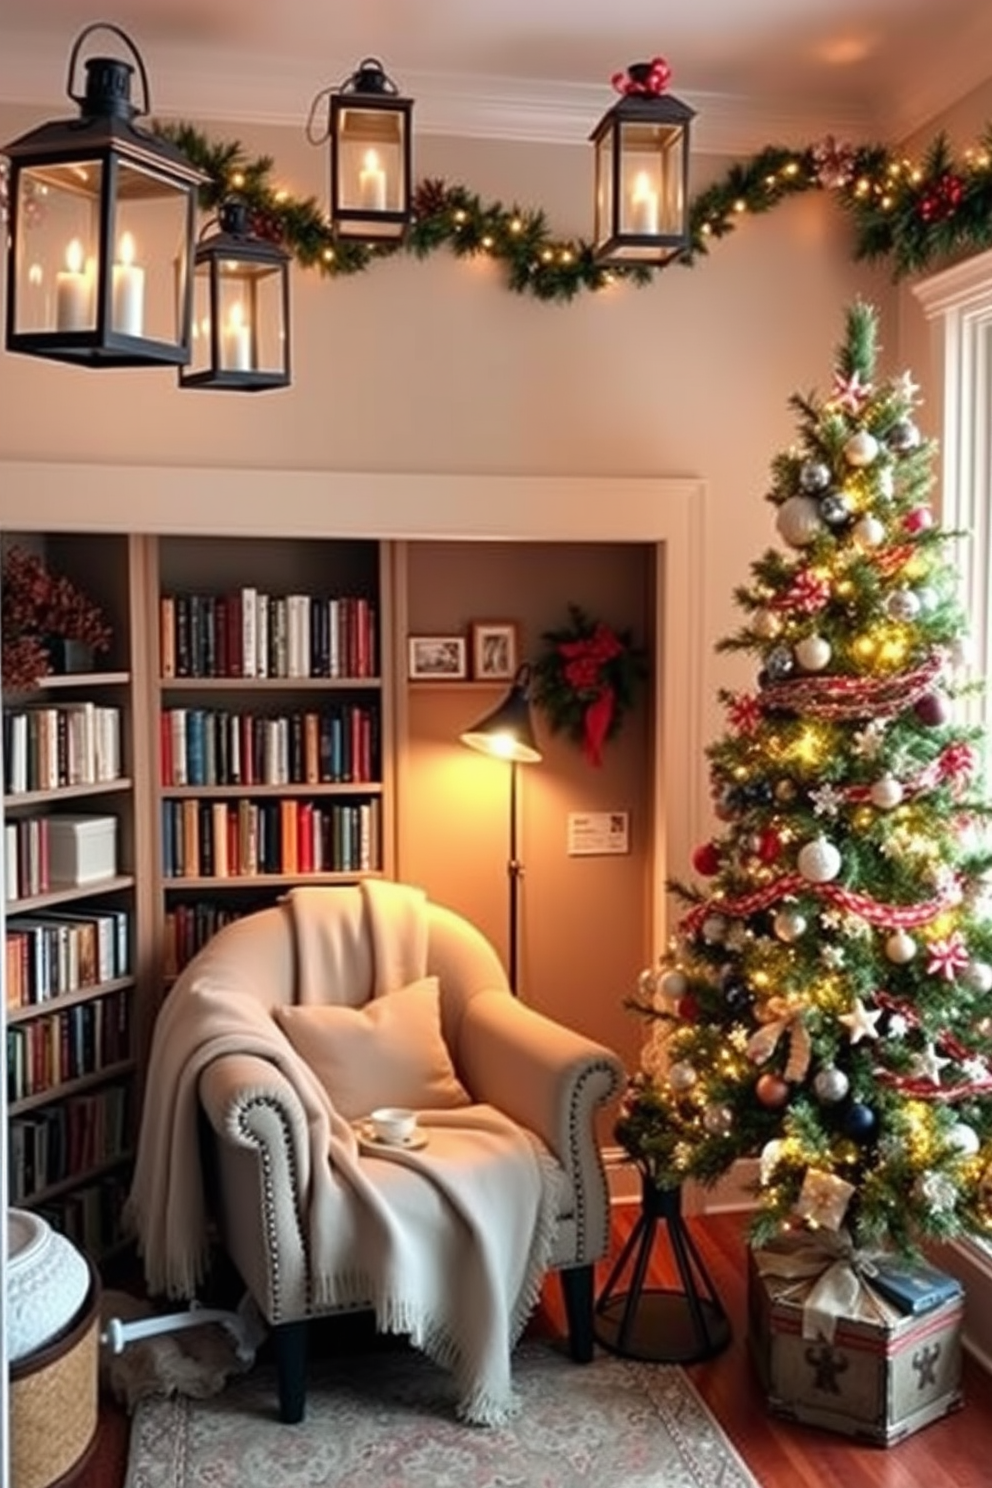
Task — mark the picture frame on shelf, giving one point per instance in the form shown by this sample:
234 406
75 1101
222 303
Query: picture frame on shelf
494 650
437 657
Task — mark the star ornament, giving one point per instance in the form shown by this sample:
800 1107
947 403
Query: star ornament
860 1022
850 393
927 1065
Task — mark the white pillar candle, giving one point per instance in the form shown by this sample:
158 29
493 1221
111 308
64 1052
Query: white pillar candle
235 350
372 184
643 206
73 302
128 291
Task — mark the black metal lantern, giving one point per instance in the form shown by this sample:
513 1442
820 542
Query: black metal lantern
103 215
371 149
642 170
240 335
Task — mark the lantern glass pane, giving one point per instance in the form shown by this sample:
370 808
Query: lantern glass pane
651 189
371 153
252 335
147 234
604 187
57 247
200 350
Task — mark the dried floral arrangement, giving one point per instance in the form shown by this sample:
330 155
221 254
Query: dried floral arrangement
36 607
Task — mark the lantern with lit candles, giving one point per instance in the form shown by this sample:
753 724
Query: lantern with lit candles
371 147
642 170
101 232
240 308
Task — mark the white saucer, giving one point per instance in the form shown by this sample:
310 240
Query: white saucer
368 1138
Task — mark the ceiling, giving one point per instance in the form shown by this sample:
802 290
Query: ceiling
758 71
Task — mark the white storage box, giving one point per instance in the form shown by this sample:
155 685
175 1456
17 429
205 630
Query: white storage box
81 849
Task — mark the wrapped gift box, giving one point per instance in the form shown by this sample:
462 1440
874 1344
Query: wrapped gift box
884 1374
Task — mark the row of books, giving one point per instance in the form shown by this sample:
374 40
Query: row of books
91 1217
26 858
81 1040
69 744
250 633
59 951
63 1140
208 746
187 929
243 838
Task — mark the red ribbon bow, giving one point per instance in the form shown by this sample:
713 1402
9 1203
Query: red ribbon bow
649 78
584 661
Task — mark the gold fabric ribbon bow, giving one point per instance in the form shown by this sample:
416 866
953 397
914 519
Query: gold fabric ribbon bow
829 1278
784 1016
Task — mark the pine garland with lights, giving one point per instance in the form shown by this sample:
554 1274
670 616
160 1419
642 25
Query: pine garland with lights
826 1003
913 215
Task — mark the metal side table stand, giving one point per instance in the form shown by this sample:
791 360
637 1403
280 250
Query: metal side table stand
663 1326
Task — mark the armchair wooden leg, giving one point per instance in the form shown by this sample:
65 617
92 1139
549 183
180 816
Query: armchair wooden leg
290 1344
577 1291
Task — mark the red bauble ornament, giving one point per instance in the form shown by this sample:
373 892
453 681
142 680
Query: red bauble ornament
920 519
688 1009
769 845
771 1090
706 859
933 709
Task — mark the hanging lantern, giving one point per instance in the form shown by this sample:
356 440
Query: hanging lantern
102 220
240 338
642 170
371 148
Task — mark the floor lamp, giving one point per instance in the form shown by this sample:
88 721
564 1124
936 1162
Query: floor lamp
507 733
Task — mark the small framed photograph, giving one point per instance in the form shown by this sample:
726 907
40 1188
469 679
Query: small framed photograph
494 650
437 656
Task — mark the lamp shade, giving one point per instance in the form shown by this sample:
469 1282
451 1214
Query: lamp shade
642 171
240 337
102 220
508 731
371 150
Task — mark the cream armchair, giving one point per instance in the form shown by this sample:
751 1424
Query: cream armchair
546 1078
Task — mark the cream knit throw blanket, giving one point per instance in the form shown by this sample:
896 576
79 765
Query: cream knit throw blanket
454 1258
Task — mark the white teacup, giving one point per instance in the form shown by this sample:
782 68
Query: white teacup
393 1123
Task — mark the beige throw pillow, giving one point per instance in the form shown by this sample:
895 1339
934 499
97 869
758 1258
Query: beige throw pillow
388 1053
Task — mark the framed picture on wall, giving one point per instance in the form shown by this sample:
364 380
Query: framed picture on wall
436 656
494 650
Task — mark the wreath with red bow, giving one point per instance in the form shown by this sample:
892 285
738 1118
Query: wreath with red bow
586 680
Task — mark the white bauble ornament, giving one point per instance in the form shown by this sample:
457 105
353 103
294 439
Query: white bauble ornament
929 598
813 653
682 1076
789 925
714 929
673 985
766 624
868 532
769 1159
978 976
798 521
902 604
900 948
819 861
718 1120
861 448
964 1139
886 793
830 1085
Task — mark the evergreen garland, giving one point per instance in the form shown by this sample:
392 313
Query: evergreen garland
915 216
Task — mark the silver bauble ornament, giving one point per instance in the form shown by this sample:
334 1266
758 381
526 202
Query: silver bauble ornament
978 976
964 1139
868 532
819 861
789 925
836 508
780 663
861 449
900 948
902 604
718 1120
798 521
886 793
714 929
766 624
903 436
830 1085
682 1076
813 653
814 476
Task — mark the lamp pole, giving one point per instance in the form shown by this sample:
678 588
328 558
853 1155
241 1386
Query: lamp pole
514 869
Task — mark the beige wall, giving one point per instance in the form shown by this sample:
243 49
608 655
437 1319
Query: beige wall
432 368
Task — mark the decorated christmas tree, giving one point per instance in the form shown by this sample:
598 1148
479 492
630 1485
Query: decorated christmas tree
826 1002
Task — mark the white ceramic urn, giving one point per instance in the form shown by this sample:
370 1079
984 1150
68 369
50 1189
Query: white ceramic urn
47 1283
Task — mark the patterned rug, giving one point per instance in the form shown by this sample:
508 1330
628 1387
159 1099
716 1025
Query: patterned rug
387 1421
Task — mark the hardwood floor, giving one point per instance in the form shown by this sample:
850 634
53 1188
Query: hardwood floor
953 1453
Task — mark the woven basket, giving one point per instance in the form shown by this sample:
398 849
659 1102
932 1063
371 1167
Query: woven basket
53 1402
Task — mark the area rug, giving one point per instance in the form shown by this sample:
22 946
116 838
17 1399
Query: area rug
387 1421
